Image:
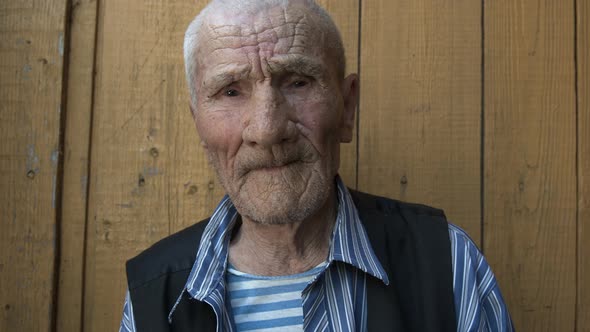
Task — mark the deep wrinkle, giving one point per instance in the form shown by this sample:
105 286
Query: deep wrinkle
271 113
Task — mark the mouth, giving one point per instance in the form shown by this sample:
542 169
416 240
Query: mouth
275 167
268 163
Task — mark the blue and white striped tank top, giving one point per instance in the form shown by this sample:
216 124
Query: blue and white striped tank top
260 303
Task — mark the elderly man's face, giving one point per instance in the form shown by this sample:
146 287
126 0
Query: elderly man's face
272 112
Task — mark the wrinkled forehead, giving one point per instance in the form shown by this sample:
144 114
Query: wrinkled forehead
272 31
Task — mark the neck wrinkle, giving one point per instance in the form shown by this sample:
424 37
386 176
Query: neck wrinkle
284 249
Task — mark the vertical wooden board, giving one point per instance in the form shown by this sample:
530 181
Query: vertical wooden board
82 18
148 174
346 16
530 183
31 64
194 191
420 104
583 47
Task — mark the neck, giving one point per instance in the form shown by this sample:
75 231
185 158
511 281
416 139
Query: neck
283 249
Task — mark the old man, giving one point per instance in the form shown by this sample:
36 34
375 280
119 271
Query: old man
290 248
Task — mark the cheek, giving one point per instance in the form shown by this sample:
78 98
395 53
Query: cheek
220 132
320 121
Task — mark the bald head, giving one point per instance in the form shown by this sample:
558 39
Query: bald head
238 14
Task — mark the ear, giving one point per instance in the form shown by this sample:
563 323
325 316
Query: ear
350 93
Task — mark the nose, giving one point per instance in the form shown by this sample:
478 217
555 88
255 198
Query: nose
268 120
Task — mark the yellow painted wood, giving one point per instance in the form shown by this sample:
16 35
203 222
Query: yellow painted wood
76 154
420 105
148 174
583 47
530 159
31 62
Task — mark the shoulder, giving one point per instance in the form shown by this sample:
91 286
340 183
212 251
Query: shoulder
172 254
399 216
471 269
393 225
478 299
468 260
462 244
390 206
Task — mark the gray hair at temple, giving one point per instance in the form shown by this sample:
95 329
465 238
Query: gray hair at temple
251 7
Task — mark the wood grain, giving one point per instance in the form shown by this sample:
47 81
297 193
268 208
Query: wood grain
31 63
530 154
345 14
148 175
420 104
76 154
419 140
583 48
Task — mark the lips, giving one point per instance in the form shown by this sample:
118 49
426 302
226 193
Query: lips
275 159
273 166
266 165
276 166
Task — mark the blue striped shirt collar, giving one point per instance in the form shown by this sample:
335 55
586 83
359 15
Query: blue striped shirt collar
349 244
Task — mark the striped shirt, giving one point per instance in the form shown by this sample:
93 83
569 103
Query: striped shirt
339 299
261 303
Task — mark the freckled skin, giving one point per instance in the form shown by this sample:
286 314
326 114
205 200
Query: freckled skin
272 131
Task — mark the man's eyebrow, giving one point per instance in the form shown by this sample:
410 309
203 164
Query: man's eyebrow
297 64
223 75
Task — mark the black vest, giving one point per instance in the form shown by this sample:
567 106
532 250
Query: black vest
410 240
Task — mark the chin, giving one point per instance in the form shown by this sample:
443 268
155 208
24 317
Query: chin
283 204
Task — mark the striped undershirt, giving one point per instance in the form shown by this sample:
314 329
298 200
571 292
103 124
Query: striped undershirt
262 303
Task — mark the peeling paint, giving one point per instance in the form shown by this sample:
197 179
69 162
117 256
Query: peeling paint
151 171
54 157
32 162
27 72
60 44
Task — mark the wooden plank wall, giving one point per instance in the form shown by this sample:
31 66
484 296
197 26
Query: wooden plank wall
479 107
32 43
420 104
530 159
583 99
75 165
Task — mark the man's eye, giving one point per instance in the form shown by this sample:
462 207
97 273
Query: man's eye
300 83
231 93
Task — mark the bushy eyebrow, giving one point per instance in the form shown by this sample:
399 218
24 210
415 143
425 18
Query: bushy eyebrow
224 75
297 64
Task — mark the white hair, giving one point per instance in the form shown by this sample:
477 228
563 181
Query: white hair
251 8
